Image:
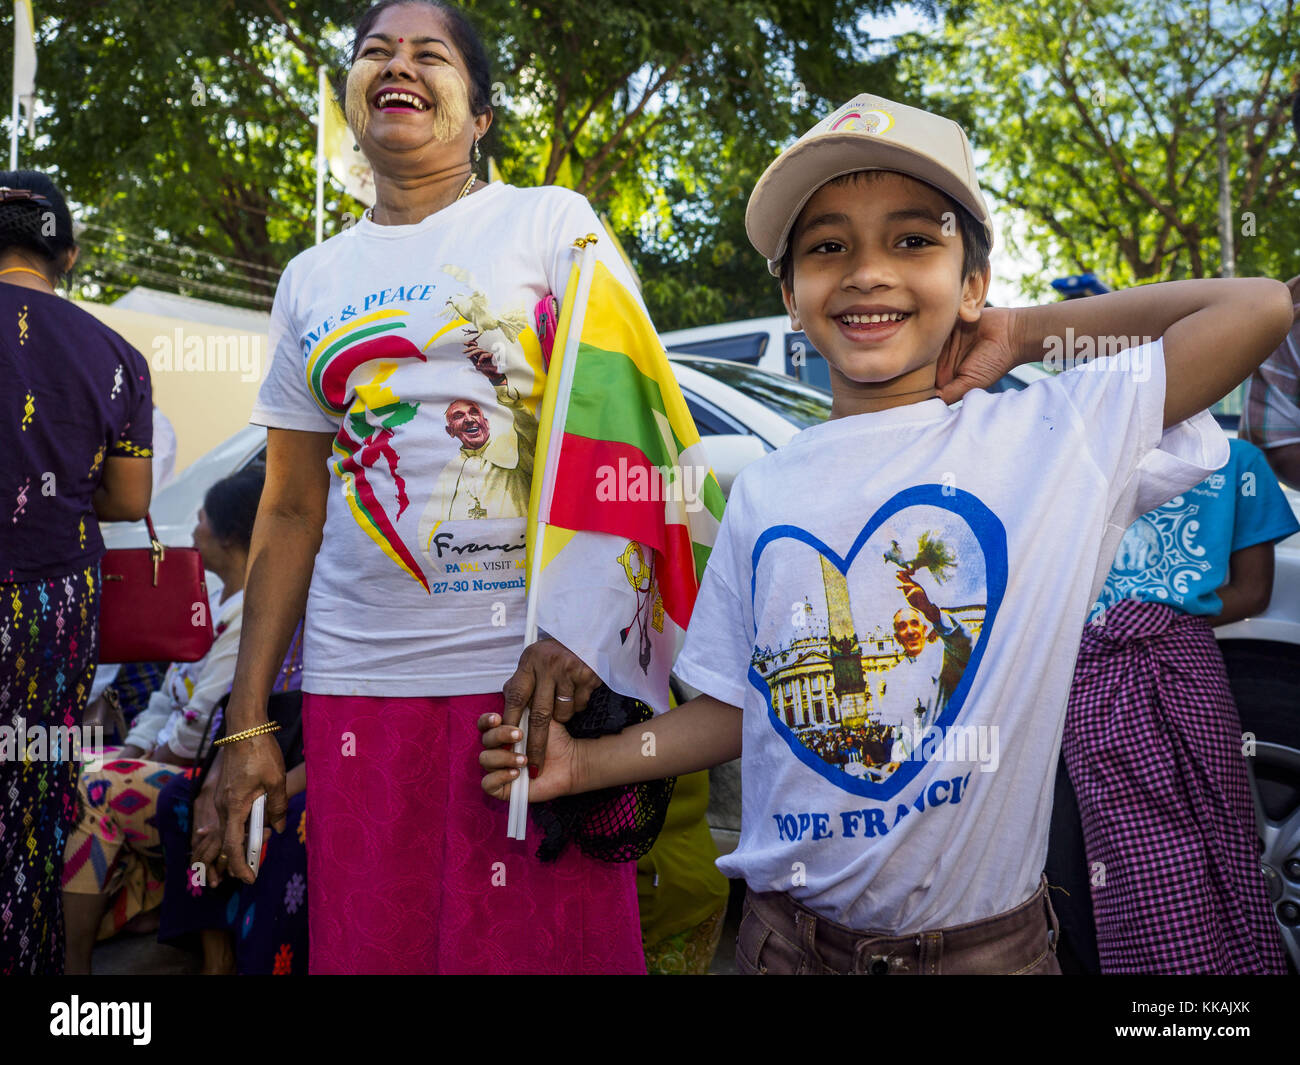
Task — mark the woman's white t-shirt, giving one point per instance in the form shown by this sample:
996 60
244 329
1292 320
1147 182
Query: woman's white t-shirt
415 347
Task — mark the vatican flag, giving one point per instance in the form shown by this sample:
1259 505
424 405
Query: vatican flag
347 165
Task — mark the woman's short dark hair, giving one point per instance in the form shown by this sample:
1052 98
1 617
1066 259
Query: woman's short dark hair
231 505
463 36
975 245
43 228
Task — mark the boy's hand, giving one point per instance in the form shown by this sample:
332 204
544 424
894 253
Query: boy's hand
551 682
501 765
977 354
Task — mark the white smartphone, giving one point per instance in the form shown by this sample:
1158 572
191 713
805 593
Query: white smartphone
256 817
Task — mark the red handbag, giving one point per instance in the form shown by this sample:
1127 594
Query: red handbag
153 604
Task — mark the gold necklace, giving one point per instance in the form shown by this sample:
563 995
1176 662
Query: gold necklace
370 211
26 270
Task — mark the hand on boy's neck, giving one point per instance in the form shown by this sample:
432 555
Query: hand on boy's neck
979 353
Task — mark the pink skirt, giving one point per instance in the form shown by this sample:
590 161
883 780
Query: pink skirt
408 866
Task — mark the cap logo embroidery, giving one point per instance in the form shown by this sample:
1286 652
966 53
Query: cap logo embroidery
863 122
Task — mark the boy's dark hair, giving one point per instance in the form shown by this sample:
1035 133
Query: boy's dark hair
463 36
231 505
975 245
43 228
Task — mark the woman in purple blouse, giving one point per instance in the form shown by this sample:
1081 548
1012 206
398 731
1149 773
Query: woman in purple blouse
76 435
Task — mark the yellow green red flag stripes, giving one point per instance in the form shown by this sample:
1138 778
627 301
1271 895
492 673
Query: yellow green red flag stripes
626 499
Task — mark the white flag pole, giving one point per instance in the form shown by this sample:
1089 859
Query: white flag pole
517 827
320 152
24 73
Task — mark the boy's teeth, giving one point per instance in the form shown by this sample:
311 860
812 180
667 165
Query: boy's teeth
863 319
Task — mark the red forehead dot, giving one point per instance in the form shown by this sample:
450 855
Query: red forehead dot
400 39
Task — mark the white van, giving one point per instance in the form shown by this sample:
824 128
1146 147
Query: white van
770 344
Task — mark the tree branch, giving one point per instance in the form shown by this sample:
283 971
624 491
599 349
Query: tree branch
594 163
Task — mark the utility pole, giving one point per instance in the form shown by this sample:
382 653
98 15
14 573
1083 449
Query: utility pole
1228 265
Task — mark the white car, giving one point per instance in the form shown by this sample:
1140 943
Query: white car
741 416
766 343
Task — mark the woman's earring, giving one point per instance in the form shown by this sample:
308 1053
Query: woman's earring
356 147
477 153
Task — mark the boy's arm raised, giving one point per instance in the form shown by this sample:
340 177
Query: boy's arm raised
699 734
1216 331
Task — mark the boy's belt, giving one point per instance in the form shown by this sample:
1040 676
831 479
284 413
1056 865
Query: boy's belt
1015 942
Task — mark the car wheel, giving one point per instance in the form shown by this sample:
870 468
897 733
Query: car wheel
1266 686
1274 775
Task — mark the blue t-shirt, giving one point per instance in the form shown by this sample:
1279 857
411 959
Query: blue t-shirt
1178 553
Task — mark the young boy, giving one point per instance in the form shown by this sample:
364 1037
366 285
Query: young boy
897 783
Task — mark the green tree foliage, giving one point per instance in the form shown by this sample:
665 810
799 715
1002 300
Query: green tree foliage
1097 120
187 129
666 114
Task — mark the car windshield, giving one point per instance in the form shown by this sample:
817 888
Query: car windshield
799 404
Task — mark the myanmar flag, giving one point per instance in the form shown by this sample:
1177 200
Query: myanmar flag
626 509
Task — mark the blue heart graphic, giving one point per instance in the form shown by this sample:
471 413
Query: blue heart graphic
991 536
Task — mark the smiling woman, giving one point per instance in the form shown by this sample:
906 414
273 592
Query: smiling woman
402 404
442 73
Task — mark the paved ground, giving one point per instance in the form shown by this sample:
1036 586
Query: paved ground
134 955
724 961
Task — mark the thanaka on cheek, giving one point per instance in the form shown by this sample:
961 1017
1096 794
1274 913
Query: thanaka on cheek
356 106
450 103
450 99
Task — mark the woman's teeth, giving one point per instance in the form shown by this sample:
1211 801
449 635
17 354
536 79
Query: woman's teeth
389 99
870 319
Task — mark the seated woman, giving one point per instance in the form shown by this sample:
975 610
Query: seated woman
107 879
251 929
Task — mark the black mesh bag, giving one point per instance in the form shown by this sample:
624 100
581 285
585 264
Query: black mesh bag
612 824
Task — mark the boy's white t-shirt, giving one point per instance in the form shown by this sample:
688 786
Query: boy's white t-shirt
418 587
898 763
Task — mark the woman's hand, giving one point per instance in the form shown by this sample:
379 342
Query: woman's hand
977 354
554 684
163 753
501 765
131 751
206 834
252 766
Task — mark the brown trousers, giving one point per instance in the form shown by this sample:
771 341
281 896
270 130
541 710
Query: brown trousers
778 936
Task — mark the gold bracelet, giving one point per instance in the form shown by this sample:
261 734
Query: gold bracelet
249 733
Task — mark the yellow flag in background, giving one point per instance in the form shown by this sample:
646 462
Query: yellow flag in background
349 166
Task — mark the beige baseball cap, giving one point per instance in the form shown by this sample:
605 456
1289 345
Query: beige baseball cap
867 133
